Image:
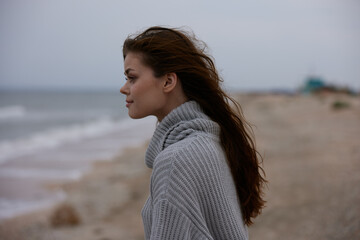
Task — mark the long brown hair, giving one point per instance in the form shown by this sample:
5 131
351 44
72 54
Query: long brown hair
168 50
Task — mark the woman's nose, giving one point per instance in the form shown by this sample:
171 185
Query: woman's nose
124 90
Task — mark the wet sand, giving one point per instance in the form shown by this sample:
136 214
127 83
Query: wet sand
311 156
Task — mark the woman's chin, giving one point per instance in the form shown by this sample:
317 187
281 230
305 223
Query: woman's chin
135 115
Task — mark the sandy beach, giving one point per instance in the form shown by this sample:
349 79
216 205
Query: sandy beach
311 155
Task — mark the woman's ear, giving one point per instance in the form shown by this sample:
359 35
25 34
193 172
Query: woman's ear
170 82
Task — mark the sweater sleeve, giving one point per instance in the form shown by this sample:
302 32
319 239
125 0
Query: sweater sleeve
170 223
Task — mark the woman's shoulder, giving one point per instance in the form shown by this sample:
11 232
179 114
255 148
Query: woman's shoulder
197 147
193 165
198 156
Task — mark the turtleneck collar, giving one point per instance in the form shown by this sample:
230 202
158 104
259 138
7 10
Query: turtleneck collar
177 125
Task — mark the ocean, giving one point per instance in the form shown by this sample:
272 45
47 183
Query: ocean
50 136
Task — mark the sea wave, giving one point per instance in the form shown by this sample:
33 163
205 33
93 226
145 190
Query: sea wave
43 174
11 112
58 136
11 207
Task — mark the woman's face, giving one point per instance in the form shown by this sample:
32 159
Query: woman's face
144 92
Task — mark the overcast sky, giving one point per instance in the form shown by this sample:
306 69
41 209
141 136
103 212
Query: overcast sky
257 44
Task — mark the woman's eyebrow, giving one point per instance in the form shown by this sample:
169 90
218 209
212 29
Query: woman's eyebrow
128 70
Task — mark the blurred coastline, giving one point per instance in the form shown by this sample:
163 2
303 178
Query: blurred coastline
310 146
51 136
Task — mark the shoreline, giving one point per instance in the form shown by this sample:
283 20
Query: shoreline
105 194
311 159
21 185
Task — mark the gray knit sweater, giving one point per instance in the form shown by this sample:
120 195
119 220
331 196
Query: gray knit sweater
192 194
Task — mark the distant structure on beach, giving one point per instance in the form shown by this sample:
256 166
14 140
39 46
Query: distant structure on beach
316 84
313 84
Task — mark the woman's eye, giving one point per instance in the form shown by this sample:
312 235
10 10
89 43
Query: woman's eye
130 78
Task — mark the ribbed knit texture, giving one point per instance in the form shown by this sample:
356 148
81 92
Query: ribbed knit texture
192 194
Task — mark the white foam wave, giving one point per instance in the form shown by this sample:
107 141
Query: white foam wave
59 136
11 207
43 174
11 112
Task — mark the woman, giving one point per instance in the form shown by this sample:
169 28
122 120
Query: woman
206 181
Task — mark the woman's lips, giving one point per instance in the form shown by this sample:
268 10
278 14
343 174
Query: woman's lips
128 103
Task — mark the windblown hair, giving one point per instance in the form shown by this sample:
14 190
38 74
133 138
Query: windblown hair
168 50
